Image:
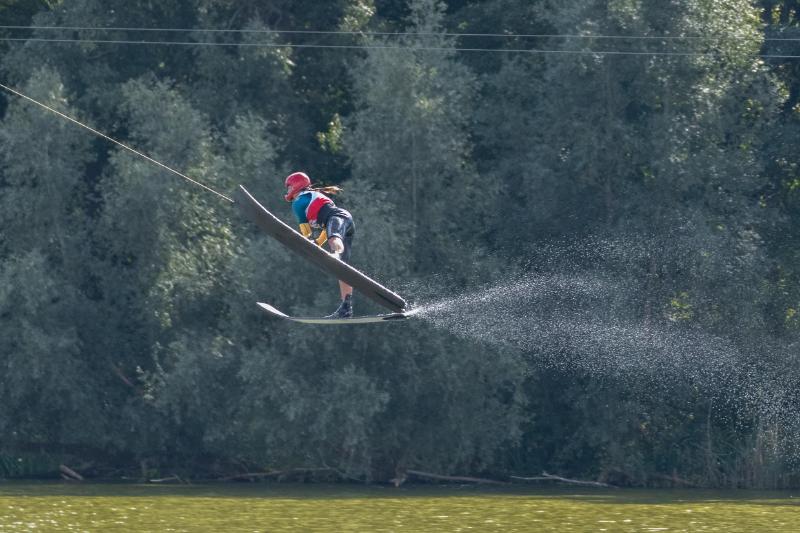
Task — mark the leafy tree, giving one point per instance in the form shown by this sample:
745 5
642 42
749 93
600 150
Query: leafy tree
46 264
664 175
410 133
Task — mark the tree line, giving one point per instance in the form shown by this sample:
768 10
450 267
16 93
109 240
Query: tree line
648 145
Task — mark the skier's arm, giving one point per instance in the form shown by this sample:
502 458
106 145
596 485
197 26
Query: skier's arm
299 209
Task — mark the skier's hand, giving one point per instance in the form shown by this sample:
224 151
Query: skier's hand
336 244
305 230
323 237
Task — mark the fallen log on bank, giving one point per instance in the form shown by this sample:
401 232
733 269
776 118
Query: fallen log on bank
463 479
250 476
402 477
69 474
174 477
550 477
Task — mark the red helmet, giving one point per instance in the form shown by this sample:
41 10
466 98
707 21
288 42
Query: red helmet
295 183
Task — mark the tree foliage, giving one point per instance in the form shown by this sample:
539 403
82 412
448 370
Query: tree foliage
650 150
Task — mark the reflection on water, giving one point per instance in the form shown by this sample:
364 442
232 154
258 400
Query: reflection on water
268 508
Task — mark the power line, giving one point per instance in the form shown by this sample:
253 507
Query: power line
104 136
390 34
389 47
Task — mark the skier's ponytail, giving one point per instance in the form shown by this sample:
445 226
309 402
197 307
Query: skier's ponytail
330 189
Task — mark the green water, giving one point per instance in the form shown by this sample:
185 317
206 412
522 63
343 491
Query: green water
268 508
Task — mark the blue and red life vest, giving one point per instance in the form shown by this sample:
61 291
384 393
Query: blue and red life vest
314 208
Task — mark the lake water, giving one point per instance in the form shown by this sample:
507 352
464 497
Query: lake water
338 508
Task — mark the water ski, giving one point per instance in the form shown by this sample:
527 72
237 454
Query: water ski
290 238
322 320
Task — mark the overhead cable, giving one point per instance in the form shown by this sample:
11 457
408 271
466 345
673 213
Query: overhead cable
504 35
388 47
104 136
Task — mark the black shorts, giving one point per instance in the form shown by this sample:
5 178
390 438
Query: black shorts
342 226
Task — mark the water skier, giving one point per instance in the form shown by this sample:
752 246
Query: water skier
315 210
